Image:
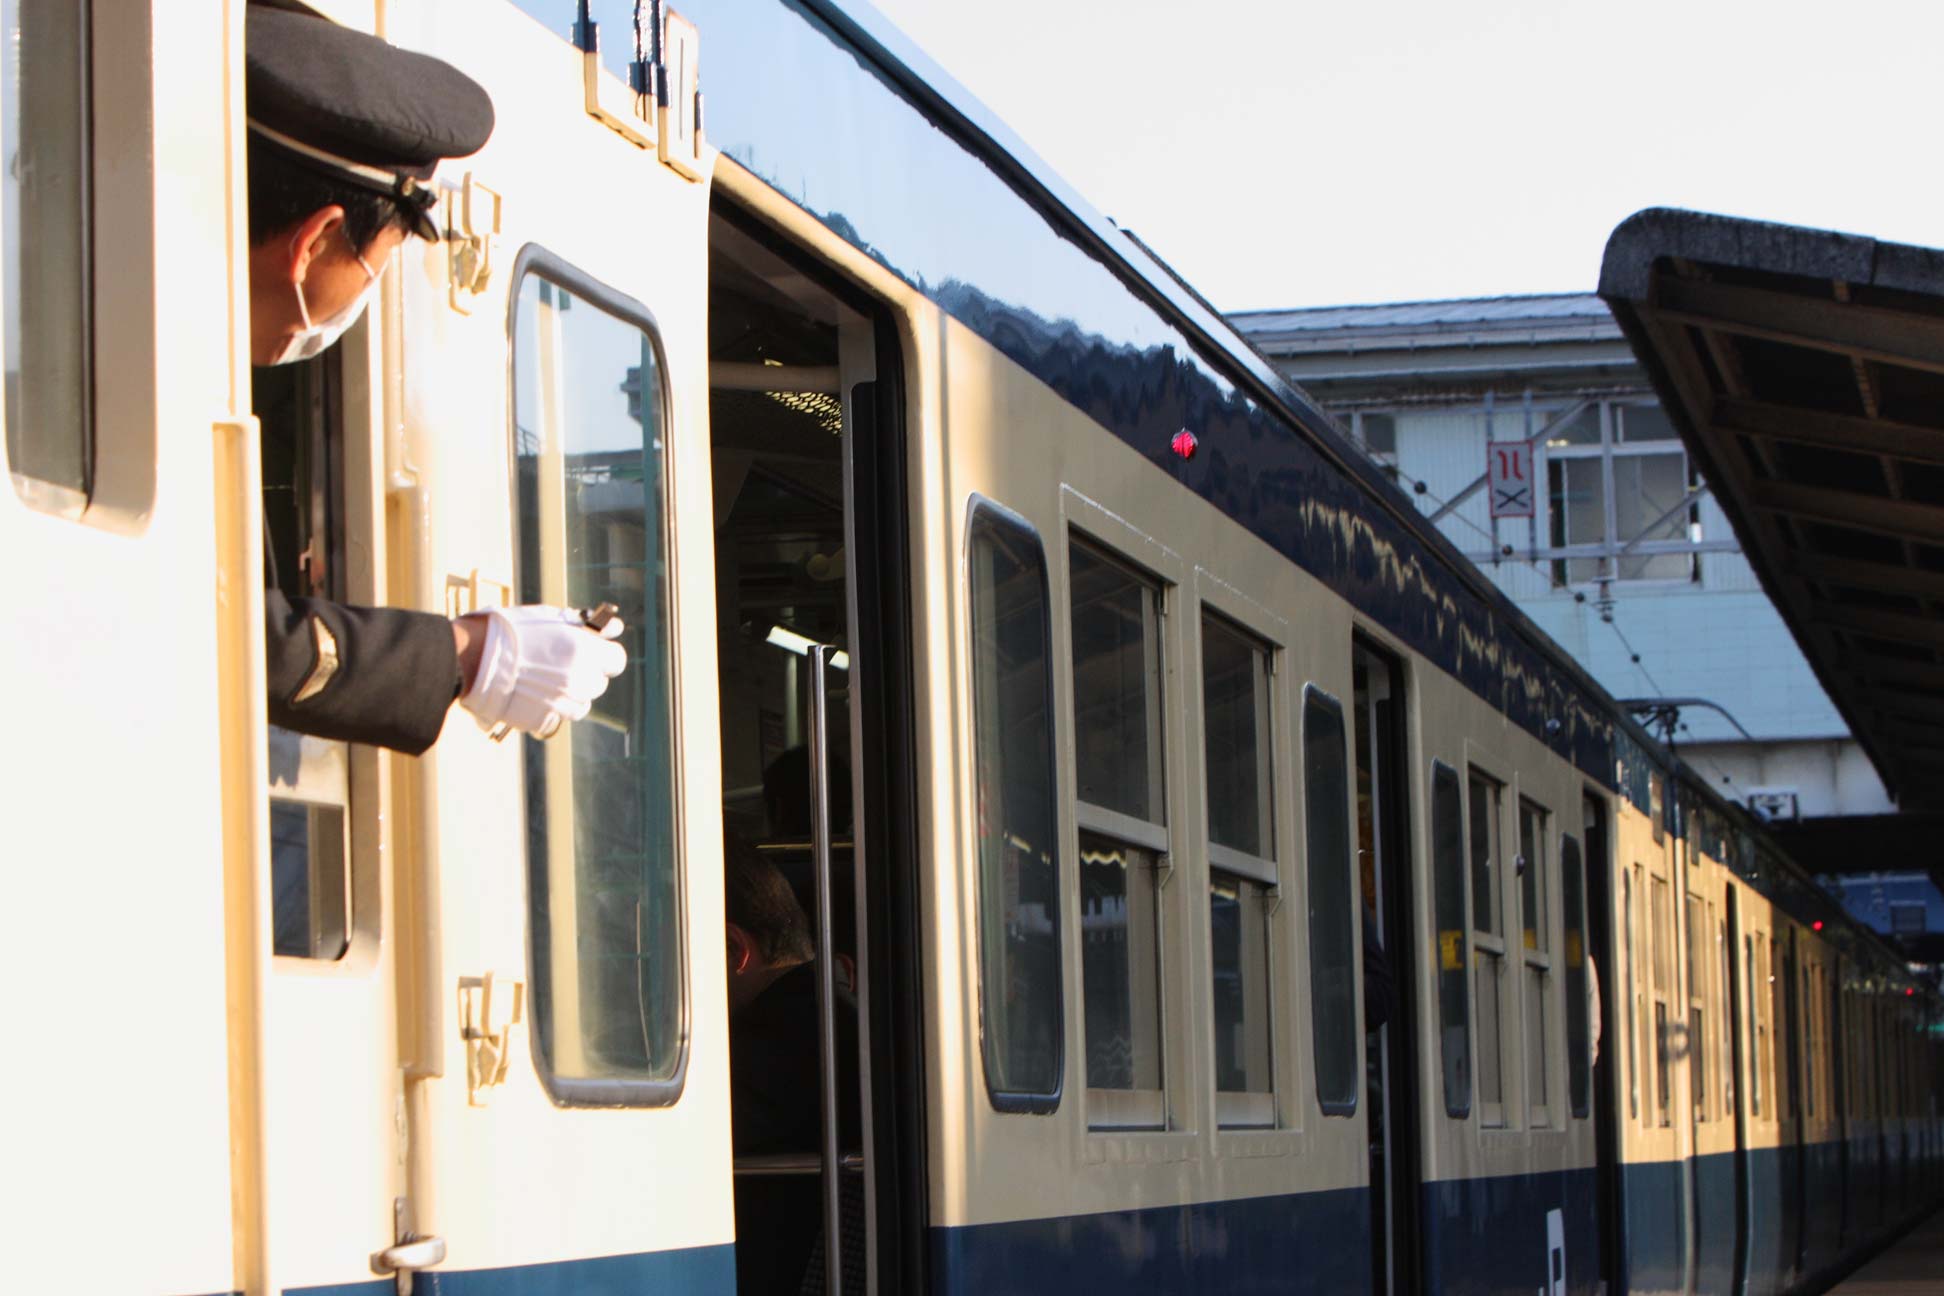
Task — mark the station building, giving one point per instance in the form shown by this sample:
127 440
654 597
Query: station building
1627 560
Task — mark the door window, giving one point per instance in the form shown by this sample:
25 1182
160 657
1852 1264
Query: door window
46 257
605 876
1019 861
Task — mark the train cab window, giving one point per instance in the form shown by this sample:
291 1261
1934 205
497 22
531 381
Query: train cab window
1120 773
1579 1050
604 919
1697 988
1448 907
1237 740
1535 918
1018 842
47 253
1488 944
300 413
1333 900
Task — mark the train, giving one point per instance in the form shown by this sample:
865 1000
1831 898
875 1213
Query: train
1121 726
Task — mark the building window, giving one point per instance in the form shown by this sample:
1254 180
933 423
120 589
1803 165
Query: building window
1907 918
47 271
1120 770
1236 709
605 903
1620 497
1021 1022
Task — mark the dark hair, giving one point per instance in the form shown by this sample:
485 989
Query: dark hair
284 192
786 793
758 899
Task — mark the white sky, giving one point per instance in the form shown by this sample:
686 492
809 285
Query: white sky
1303 153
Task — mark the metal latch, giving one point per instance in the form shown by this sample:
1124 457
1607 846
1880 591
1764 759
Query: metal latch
489 1009
410 1253
473 214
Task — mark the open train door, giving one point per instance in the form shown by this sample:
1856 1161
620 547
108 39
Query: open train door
1608 1190
565 1077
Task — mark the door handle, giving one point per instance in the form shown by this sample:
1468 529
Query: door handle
419 1253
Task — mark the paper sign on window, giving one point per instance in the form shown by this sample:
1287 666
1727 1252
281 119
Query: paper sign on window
1508 478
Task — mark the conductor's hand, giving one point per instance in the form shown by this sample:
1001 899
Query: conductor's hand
539 666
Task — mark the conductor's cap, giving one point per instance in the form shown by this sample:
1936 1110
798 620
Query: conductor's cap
358 110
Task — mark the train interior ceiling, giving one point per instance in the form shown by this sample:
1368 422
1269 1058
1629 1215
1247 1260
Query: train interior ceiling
783 353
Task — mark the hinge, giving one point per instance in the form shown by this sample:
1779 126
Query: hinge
473 215
489 1009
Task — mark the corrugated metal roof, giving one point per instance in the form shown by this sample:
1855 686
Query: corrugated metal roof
1455 313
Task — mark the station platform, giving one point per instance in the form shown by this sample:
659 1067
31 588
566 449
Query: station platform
1913 1267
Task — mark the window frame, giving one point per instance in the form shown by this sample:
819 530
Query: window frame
981 508
1246 1112
1493 945
574 1091
1133 1110
1607 551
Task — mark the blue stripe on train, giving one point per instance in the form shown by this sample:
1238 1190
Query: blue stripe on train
710 1270
1487 1237
1307 1242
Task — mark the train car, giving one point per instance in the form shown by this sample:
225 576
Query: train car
1220 887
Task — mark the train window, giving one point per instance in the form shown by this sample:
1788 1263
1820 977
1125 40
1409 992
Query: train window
1536 959
1335 1026
1811 1051
1242 874
300 412
1019 906
1724 1040
1488 946
1579 1044
47 262
1235 727
1663 965
1782 1036
1120 771
1239 939
604 916
1755 1085
1697 978
1632 981
1448 904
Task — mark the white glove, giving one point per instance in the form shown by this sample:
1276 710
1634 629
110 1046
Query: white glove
541 665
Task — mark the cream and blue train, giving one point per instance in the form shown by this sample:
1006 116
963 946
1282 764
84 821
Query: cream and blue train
1151 702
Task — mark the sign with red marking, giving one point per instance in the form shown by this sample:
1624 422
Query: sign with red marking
1508 478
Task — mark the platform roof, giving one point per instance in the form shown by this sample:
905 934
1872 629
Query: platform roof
1805 369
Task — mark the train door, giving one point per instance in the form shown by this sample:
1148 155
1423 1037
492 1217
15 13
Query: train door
804 419
559 1010
1384 879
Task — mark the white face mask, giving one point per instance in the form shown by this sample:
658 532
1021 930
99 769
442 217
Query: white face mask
315 337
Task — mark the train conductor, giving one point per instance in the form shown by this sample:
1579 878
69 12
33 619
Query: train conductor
345 131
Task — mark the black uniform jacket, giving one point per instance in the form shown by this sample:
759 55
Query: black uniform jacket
371 675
